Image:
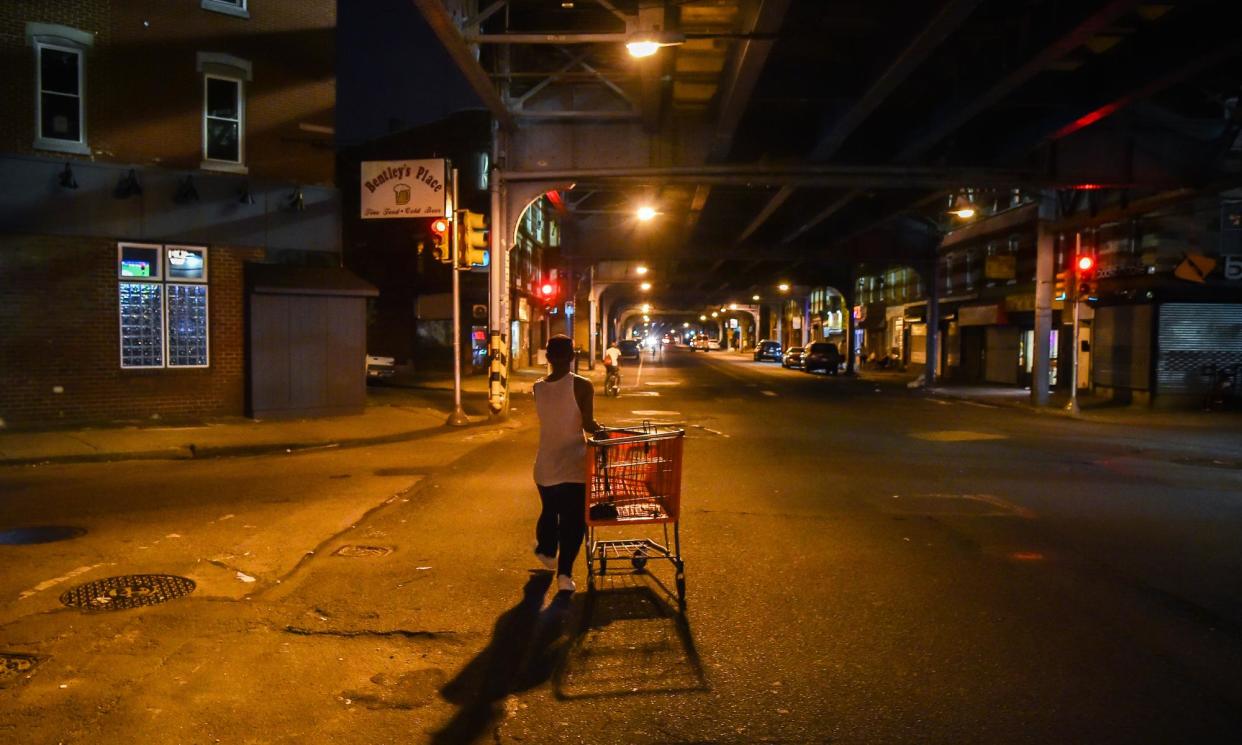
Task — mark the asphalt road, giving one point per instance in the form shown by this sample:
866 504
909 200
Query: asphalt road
863 565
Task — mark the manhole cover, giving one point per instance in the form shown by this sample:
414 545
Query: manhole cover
39 534
130 591
362 552
15 665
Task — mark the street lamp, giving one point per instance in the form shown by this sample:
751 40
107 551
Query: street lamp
715 314
640 270
647 43
755 298
646 213
783 287
646 307
702 317
732 306
685 325
646 286
646 319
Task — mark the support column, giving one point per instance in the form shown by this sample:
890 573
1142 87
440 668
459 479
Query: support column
931 347
498 286
1045 257
849 297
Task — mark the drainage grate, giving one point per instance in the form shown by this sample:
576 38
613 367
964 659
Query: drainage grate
13 666
362 552
130 591
39 534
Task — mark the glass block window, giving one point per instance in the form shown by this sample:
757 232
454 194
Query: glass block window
142 324
187 325
222 119
163 306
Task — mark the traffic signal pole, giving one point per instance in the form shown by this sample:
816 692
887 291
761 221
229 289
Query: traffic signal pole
1072 293
458 417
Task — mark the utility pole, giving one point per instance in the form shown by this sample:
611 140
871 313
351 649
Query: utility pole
458 417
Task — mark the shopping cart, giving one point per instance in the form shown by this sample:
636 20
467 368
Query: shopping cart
634 478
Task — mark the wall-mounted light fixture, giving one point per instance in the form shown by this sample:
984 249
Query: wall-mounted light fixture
186 192
297 202
67 181
128 186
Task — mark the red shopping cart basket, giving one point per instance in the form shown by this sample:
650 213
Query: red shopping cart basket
634 478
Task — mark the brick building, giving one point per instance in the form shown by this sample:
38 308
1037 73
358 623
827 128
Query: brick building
149 150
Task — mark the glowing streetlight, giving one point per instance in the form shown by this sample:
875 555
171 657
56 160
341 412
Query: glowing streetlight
685 325
715 314
645 286
965 212
702 317
783 287
646 319
640 270
640 49
646 307
646 213
732 306
755 298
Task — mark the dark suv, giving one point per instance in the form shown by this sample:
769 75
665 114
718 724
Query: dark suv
822 355
768 350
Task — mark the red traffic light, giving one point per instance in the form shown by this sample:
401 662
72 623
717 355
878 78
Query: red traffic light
440 226
548 290
1085 264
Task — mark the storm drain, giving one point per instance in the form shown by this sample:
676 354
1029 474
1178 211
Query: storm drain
13 666
39 534
362 552
130 591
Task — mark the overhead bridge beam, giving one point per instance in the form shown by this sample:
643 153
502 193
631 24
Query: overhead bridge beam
874 177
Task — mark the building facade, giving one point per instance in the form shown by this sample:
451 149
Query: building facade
148 151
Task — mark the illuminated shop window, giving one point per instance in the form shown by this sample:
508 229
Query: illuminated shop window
163 305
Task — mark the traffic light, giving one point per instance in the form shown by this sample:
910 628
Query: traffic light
473 240
548 293
439 240
1061 290
1084 269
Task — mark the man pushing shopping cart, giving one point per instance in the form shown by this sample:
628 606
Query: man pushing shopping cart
626 477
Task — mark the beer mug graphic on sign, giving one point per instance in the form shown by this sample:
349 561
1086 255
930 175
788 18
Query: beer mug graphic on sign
403 193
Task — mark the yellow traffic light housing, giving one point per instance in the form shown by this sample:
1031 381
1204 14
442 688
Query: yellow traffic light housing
474 240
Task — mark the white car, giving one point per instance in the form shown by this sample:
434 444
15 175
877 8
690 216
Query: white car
380 368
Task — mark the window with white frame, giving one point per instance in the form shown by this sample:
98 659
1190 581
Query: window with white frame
229 7
60 87
222 119
163 305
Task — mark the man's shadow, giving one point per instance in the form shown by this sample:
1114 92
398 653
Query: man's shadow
526 646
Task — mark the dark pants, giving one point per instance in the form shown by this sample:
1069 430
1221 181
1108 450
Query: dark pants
562 523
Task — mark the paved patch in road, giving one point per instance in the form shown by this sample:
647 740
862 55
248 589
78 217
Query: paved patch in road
956 435
955 505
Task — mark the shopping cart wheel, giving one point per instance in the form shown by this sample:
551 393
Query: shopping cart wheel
639 560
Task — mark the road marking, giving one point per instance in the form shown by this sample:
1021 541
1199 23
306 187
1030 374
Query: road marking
655 412
638 393
980 405
663 382
768 393
45 584
956 435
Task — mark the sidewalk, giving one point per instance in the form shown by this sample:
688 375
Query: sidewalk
1091 408
405 407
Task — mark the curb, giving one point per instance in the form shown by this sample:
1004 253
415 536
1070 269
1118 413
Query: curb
193 452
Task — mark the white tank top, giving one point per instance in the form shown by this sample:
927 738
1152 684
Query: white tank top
562 445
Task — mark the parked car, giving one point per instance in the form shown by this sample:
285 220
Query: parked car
792 358
630 349
768 350
822 355
713 345
380 368
698 343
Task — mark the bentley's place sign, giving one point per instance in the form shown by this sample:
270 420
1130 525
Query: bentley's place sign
403 188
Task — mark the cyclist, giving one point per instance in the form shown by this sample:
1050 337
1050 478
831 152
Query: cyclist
612 369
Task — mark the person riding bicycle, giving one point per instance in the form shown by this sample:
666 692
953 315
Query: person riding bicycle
612 368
